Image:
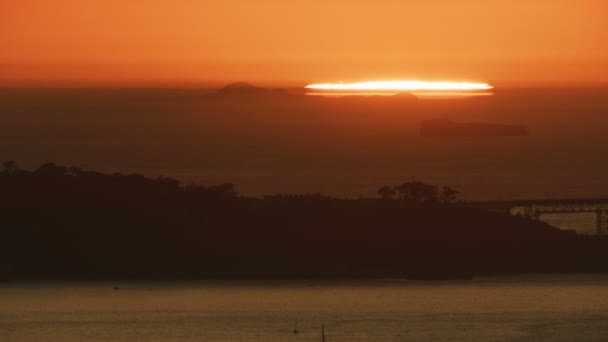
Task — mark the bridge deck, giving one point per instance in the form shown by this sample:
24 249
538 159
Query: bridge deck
534 208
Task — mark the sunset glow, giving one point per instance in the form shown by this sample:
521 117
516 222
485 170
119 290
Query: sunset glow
408 85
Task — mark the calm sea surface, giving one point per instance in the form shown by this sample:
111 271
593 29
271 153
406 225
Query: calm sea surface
320 146
535 308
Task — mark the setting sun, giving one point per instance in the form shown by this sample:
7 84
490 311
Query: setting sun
401 85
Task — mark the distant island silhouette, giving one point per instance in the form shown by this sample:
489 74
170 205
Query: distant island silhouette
67 223
240 89
405 96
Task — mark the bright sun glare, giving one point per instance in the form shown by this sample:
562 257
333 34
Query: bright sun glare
409 85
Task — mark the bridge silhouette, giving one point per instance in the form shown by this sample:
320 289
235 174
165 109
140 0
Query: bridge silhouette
533 209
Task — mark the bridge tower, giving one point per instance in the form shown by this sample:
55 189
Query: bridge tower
531 213
602 222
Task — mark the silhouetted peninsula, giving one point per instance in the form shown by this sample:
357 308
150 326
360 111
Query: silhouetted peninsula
67 223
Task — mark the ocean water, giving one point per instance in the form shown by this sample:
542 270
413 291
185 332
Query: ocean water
327 146
582 223
531 308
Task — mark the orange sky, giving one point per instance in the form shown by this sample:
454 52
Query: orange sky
189 41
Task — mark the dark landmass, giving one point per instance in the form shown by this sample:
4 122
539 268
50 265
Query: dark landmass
241 89
65 223
448 128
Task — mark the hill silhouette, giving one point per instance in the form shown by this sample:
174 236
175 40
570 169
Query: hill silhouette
66 223
242 89
405 96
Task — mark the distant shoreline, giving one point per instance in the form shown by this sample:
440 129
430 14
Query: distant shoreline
314 282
